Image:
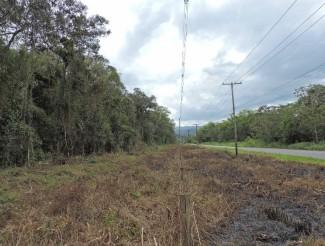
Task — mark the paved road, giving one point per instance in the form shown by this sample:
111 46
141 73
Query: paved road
293 152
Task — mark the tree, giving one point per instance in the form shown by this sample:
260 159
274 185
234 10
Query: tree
58 97
57 25
301 121
311 104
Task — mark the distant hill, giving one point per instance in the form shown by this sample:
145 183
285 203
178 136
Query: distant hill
185 130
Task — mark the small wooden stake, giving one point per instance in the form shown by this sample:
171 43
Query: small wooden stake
155 240
185 218
196 226
142 244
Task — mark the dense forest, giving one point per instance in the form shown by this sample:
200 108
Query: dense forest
301 121
58 96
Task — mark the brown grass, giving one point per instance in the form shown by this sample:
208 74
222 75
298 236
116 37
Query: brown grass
112 201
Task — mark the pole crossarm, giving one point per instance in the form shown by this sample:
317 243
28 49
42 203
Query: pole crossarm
232 83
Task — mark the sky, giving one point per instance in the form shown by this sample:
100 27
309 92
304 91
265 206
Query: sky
145 45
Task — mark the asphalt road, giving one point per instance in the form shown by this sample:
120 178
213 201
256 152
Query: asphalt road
293 152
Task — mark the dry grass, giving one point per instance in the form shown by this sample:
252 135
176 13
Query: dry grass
122 200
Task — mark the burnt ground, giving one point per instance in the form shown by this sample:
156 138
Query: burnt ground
111 200
274 202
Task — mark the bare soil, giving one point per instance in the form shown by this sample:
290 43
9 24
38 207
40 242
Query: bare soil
118 200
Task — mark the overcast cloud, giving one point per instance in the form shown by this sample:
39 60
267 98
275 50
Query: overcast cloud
145 46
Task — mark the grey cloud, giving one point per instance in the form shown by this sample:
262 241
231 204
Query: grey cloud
298 58
241 24
149 22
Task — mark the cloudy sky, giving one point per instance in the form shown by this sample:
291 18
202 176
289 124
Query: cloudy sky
146 40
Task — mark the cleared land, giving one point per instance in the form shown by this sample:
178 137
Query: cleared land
250 200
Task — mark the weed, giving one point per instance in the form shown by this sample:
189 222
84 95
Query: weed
110 218
135 195
7 196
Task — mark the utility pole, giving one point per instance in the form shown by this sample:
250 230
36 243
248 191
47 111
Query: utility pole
196 127
234 112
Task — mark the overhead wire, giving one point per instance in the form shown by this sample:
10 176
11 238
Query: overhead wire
252 102
261 40
262 62
314 69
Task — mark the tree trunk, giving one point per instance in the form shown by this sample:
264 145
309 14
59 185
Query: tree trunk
316 135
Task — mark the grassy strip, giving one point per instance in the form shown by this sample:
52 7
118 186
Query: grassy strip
262 144
282 157
308 146
16 180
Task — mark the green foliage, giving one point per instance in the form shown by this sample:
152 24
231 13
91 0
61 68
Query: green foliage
111 218
135 195
7 196
302 121
58 97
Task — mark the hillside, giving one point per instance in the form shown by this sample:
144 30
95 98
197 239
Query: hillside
186 130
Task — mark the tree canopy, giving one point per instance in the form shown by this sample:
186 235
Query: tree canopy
58 96
301 121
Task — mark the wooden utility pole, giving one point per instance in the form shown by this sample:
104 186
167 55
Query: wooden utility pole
234 112
196 127
184 199
185 214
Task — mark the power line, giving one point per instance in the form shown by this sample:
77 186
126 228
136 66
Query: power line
262 40
251 103
288 82
281 50
288 36
261 64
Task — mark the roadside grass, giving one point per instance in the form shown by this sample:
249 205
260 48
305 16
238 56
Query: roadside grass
113 198
17 181
281 157
308 146
250 142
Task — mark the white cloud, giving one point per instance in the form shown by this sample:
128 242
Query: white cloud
235 56
202 52
216 3
160 56
123 18
145 46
